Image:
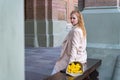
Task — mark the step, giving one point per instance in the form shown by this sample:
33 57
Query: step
116 73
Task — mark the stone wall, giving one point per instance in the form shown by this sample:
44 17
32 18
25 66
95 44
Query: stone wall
103 33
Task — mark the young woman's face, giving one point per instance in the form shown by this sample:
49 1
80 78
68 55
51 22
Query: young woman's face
74 19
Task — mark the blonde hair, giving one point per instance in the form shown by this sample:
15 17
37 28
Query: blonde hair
80 21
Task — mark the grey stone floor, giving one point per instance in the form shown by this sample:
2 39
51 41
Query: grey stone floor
39 62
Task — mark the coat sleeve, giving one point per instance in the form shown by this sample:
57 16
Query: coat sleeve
76 44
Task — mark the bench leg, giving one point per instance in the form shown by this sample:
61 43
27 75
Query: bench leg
87 78
94 75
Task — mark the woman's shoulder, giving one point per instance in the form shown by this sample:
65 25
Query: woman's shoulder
77 29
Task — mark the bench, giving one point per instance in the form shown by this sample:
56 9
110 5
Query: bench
90 72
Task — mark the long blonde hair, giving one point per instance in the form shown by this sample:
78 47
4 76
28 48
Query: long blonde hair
80 21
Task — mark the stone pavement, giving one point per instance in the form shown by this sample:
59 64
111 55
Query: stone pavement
39 62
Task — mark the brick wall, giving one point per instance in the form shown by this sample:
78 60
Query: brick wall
70 5
81 4
58 10
50 9
40 9
30 6
97 3
28 9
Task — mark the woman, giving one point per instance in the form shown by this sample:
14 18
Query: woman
74 45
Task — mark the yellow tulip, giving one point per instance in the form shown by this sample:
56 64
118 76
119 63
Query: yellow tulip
75 68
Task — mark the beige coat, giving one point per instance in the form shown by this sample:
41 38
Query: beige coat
73 48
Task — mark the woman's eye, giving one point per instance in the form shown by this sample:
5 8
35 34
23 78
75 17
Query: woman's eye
72 18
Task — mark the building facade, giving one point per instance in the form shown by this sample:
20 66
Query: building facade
46 20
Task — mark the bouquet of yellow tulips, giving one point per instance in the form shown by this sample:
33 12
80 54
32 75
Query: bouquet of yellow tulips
74 69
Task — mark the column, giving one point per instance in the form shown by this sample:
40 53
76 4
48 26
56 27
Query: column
12 40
